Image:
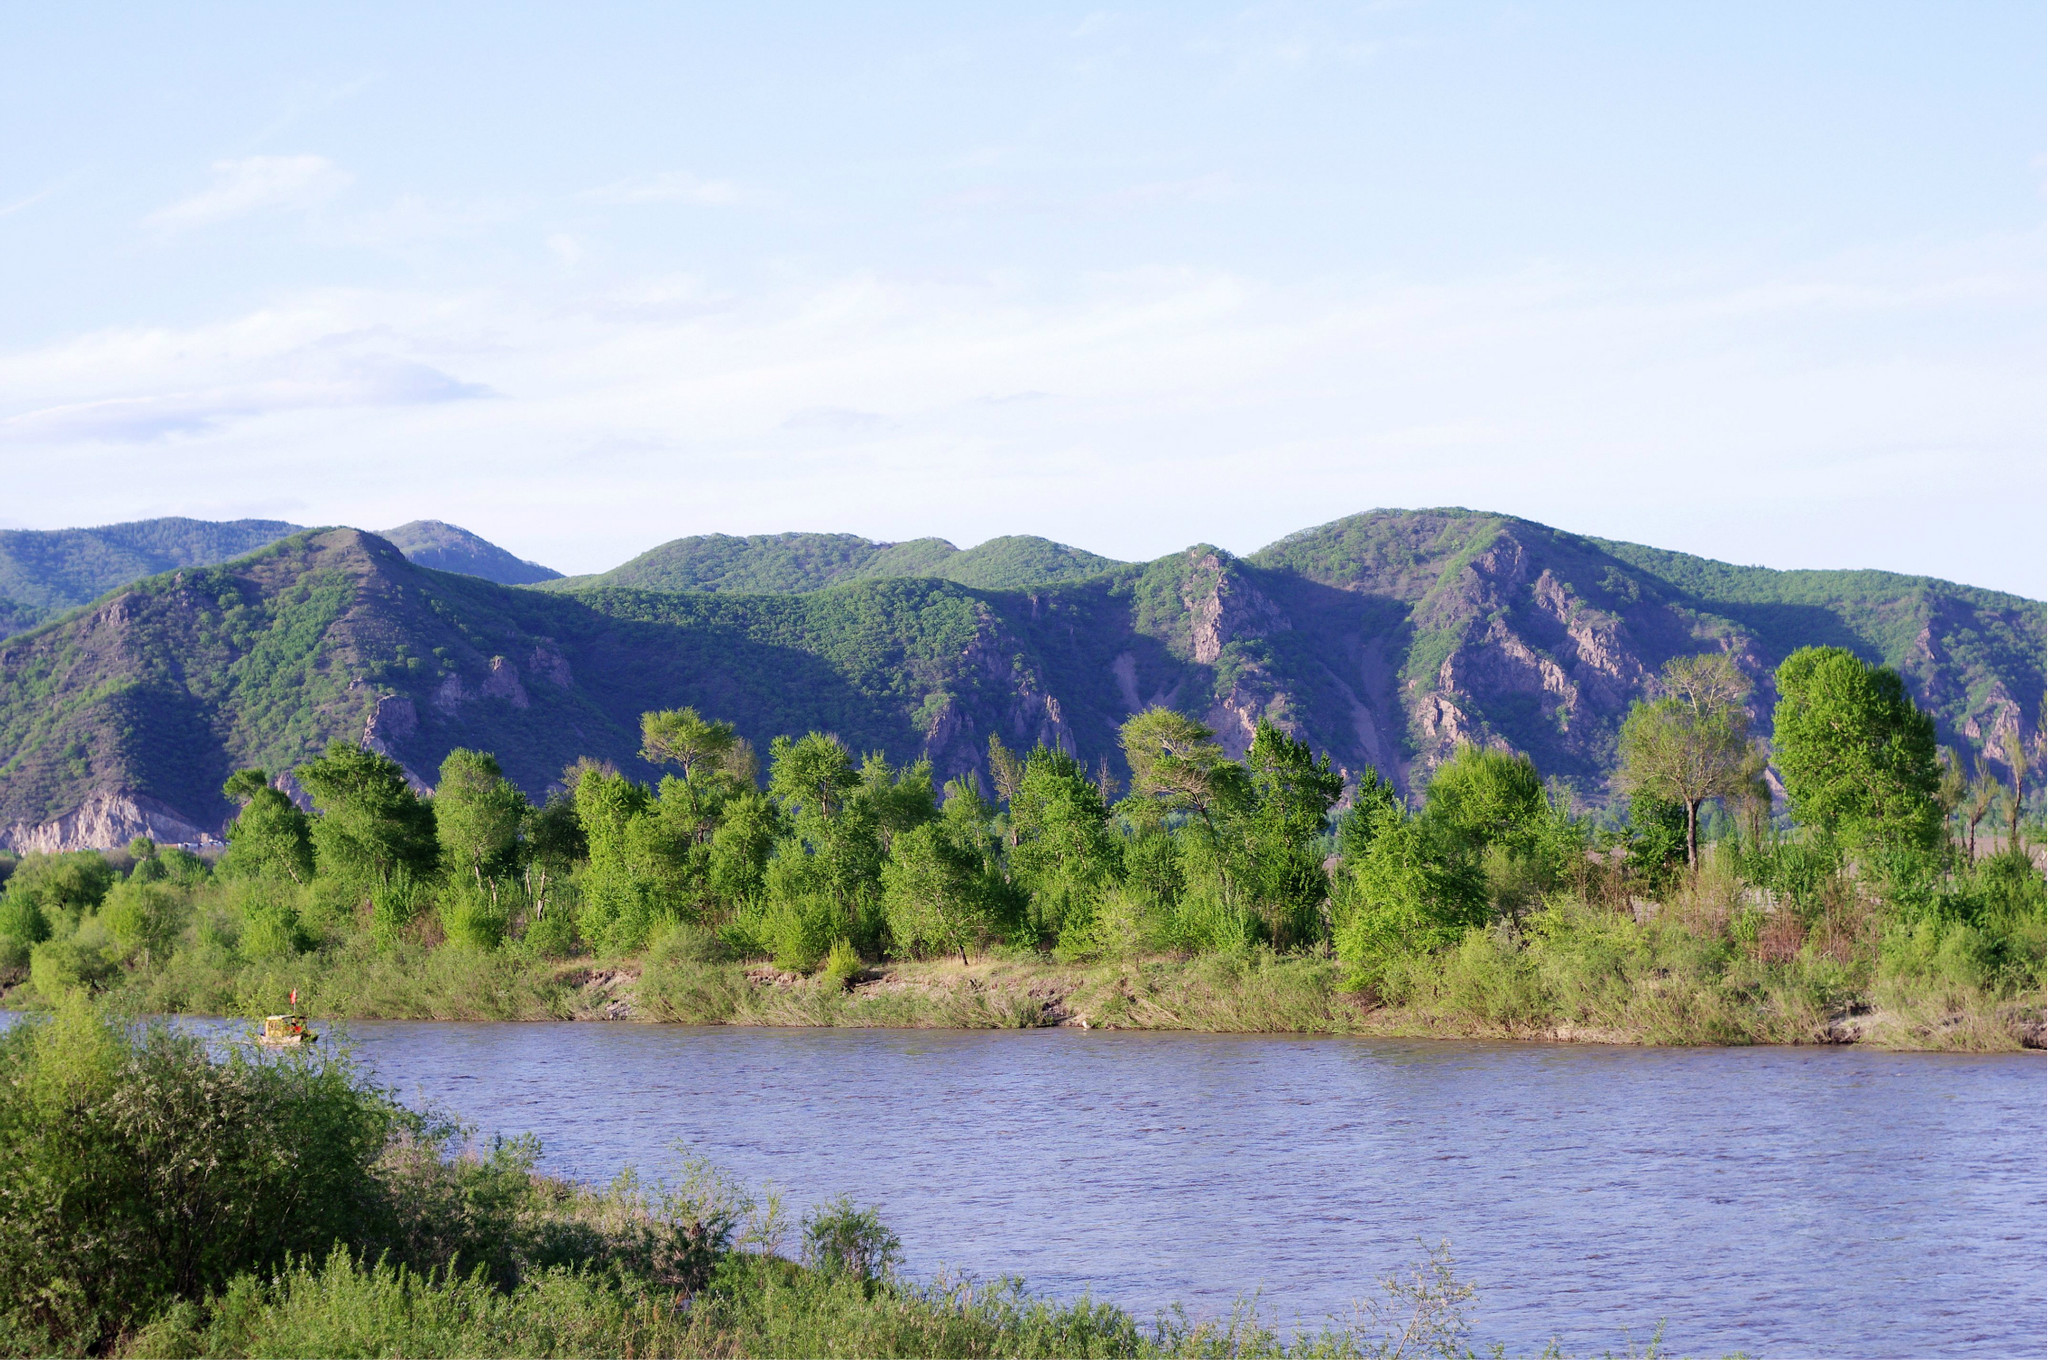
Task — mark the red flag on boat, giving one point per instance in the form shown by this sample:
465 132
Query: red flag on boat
295 996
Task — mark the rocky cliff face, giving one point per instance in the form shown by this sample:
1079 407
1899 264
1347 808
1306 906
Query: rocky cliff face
1385 641
104 821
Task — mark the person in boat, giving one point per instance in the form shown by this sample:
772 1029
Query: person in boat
289 1028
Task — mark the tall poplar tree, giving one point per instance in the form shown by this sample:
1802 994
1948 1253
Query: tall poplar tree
1692 742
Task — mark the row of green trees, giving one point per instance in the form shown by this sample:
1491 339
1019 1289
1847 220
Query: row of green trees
1857 757
871 859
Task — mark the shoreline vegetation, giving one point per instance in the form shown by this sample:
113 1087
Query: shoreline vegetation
331 1220
1268 894
686 978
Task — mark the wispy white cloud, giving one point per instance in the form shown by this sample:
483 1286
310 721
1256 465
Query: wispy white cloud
670 186
47 191
1190 404
254 184
835 420
210 379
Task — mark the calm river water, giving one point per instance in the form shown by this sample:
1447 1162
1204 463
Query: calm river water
1782 1201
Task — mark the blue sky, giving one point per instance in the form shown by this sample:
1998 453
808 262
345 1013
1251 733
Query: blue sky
1762 282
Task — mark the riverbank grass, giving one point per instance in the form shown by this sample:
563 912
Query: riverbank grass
1712 963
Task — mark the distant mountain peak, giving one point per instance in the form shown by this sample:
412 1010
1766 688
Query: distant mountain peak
450 547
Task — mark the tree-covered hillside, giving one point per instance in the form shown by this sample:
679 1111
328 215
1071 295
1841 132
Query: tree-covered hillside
784 563
448 547
46 571
1385 640
170 685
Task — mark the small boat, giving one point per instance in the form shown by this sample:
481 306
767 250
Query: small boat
285 1031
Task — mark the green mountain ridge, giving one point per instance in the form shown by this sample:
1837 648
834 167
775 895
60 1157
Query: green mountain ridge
1385 639
45 572
796 562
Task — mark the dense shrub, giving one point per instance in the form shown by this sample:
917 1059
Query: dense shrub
843 1239
138 1169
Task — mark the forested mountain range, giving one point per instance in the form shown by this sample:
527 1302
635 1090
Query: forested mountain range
1385 639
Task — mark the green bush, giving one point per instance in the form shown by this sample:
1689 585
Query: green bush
22 918
552 936
842 965
14 956
394 906
687 977
65 888
798 930
1409 894
144 917
2011 905
138 1169
271 929
57 968
840 1239
1951 954
472 918
1491 978
1127 924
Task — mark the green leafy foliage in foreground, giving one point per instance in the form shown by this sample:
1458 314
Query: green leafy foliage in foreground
157 1199
1216 893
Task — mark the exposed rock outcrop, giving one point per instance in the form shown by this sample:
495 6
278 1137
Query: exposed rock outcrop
1015 705
107 821
393 721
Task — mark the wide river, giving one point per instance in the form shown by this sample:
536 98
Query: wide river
1783 1201
1818 1201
